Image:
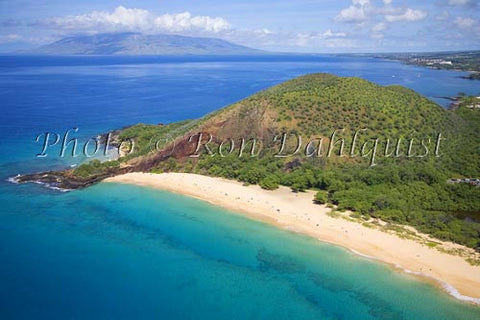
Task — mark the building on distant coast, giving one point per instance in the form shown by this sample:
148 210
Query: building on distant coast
472 181
431 62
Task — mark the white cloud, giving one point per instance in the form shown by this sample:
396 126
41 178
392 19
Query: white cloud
263 32
121 17
356 13
362 12
407 15
379 27
465 23
459 2
377 36
184 21
10 37
352 14
138 20
360 2
13 36
330 34
340 44
308 37
327 39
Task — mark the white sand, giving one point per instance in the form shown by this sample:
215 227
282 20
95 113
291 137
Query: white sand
298 213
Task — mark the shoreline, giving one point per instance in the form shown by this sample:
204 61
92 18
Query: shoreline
298 213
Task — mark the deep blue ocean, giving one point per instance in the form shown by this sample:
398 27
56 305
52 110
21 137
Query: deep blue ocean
126 252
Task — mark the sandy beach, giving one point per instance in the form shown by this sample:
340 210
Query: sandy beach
297 212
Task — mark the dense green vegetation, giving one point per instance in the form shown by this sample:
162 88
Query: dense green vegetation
148 138
415 194
352 103
135 141
405 190
321 197
95 167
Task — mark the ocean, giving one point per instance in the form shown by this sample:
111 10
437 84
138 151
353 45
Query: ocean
123 252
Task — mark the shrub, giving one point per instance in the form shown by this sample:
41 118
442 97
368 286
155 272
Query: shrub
269 183
321 197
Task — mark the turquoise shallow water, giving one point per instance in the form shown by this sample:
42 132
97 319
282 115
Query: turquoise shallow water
125 252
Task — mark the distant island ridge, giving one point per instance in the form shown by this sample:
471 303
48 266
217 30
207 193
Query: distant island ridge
138 44
130 43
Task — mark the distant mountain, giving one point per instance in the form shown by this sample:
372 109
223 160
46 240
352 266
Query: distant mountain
141 44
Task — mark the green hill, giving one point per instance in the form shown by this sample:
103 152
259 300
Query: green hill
394 155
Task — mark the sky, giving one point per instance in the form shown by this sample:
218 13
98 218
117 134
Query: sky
314 26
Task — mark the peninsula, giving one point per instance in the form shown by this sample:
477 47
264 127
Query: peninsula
409 195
